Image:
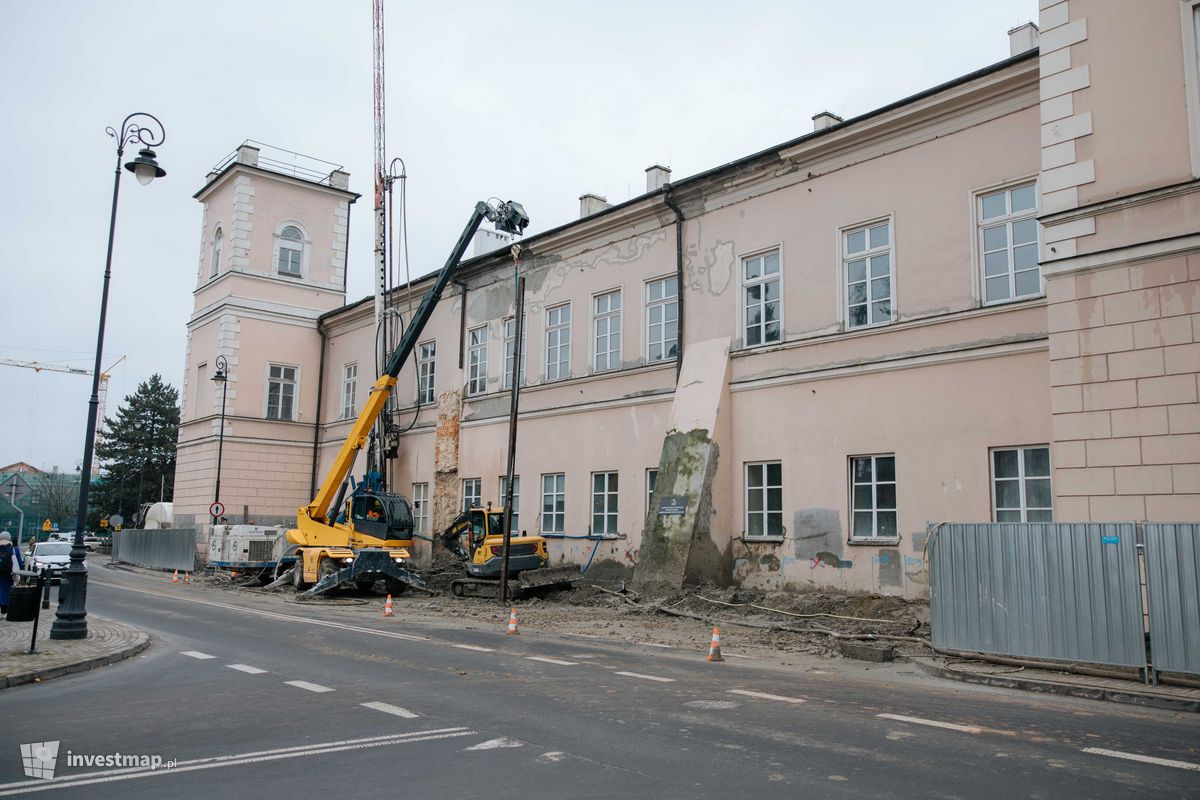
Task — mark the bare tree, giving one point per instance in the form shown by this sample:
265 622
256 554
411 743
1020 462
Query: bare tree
60 492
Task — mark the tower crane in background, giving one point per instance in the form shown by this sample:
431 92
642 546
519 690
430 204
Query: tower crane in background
38 366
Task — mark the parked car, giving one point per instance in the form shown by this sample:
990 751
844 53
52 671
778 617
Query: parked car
55 556
92 542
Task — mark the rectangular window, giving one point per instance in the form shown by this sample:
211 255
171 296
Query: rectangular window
349 389
764 499
651 477
606 322
1008 240
516 501
762 293
477 360
604 502
289 261
420 504
873 497
472 493
510 349
554 502
281 392
1021 484
662 319
558 342
867 264
426 370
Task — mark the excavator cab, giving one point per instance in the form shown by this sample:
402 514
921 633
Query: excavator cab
382 516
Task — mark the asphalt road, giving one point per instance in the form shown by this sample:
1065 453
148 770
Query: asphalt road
253 697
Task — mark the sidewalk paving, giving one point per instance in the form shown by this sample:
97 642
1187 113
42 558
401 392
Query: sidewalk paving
107 641
1168 696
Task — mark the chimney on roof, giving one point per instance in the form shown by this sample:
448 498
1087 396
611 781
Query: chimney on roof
247 154
656 176
591 204
340 179
1022 39
825 119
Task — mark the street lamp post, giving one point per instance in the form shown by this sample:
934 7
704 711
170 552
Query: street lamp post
70 621
221 377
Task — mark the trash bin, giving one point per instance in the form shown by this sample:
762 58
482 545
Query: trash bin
22 603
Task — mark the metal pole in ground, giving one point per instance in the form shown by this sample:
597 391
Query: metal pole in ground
519 324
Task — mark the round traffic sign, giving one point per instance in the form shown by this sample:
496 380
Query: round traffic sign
216 509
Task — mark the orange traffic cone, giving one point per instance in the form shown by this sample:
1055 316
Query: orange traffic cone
512 623
187 577
387 607
175 577
714 649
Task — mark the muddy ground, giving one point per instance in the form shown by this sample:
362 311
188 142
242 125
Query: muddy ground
792 622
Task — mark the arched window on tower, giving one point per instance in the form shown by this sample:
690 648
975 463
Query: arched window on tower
291 251
218 239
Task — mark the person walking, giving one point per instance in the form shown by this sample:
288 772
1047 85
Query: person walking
10 561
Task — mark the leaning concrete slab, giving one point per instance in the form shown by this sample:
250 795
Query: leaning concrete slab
107 641
680 543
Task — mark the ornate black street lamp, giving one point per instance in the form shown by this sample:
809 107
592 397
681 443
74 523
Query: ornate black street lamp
221 377
70 621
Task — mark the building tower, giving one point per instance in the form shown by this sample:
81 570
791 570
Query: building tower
272 260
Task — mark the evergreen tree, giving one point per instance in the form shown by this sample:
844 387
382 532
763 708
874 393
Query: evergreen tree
137 452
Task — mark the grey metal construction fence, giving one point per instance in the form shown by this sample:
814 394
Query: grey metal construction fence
171 548
1070 592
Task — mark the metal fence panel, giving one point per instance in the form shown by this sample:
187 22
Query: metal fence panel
1061 591
172 548
1173 589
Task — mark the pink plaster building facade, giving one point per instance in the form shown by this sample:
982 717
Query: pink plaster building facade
978 303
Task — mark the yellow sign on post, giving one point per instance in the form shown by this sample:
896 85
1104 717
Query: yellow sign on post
47 525
104 522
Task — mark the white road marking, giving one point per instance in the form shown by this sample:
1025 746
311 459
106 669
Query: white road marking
246 668
196 654
765 696
1162 762
388 708
492 744
933 723
476 648
584 635
739 655
109 776
646 677
656 644
552 756
269 614
312 687
558 661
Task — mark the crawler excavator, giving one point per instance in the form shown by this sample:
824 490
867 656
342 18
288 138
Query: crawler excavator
368 539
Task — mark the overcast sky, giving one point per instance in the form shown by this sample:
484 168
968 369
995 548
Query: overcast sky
534 101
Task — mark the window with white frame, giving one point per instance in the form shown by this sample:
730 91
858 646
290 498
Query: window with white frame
554 502
349 390
516 500
477 360
472 490
426 371
420 494
873 497
1021 484
606 330
662 319
558 342
291 251
764 499
762 293
510 349
1008 241
651 478
218 241
867 265
604 502
281 392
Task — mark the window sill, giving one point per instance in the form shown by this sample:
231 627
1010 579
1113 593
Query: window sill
762 539
875 542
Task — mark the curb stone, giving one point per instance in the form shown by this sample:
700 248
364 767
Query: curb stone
1112 695
141 643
